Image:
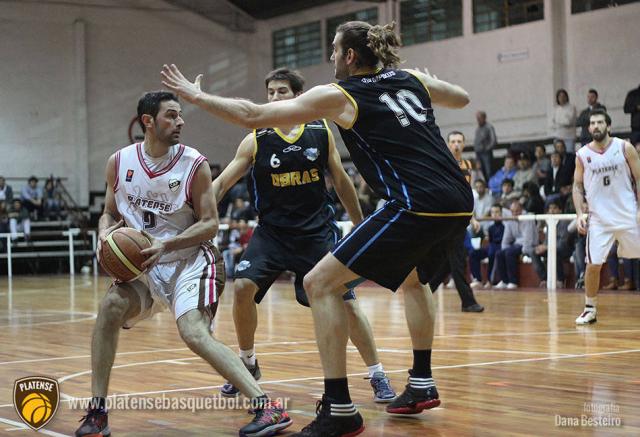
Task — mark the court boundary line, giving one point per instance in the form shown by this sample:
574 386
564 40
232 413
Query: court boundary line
67 398
285 343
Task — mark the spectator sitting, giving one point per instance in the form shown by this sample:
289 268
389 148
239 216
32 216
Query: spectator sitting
488 250
525 173
564 120
559 182
507 194
542 166
32 197
563 249
240 211
52 199
583 118
6 193
531 199
520 237
19 221
507 171
482 199
4 223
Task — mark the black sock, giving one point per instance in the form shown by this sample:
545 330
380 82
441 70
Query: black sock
338 390
260 402
421 363
98 403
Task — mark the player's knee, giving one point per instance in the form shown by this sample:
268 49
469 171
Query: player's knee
192 336
114 306
244 290
312 285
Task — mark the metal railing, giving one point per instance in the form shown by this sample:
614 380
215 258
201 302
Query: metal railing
346 226
70 234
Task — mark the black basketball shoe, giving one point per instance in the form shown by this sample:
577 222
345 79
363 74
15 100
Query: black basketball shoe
94 424
326 425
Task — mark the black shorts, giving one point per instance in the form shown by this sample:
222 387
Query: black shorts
272 251
392 241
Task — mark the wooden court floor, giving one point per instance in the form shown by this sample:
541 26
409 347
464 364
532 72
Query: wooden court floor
522 368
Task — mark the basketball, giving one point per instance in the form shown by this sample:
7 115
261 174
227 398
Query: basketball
121 256
36 407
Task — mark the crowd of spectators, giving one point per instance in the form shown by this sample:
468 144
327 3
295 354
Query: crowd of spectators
32 203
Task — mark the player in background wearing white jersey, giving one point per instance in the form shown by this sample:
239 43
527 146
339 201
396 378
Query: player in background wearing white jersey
606 171
164 188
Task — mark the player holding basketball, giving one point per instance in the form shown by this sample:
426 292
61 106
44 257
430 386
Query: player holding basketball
386 119
606 170
164 188
296 228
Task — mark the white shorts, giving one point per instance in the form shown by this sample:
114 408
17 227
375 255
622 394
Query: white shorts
600 240
184 285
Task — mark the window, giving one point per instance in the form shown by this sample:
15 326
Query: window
297 46
368 15
494 14
430 20
578 6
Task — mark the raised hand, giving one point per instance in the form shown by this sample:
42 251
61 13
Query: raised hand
173 79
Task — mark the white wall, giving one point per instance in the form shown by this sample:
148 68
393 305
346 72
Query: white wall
125 50
596 49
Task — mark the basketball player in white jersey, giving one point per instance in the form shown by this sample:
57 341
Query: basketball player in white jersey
163 188
606 171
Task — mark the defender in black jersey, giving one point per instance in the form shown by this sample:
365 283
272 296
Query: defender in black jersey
386 118
287 167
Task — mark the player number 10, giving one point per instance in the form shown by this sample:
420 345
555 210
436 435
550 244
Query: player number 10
406 100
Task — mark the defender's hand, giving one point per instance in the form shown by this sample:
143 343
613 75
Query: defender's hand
173 79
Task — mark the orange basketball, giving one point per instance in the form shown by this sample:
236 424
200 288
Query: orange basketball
120 255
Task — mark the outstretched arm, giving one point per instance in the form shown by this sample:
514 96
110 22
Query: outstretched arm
324 101
236 169
442 93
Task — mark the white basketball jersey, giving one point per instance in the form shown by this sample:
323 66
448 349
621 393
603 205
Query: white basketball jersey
608 185
158 202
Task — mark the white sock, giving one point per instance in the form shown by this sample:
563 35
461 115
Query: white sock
248 356
375 368
591 301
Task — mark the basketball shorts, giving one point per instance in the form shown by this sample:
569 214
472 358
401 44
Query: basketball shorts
600 240
183 285
272 251
392 241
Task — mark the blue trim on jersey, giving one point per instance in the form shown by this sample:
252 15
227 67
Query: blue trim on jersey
372 240
255 189
372 160
404 187
393 170
345 239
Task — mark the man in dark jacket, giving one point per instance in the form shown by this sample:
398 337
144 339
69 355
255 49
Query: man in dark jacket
583 119
632 106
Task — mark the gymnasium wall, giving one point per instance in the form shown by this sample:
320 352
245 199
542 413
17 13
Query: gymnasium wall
71 76
513 73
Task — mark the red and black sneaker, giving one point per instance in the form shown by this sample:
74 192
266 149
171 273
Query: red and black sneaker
414 400
270 419
94 424
327 425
